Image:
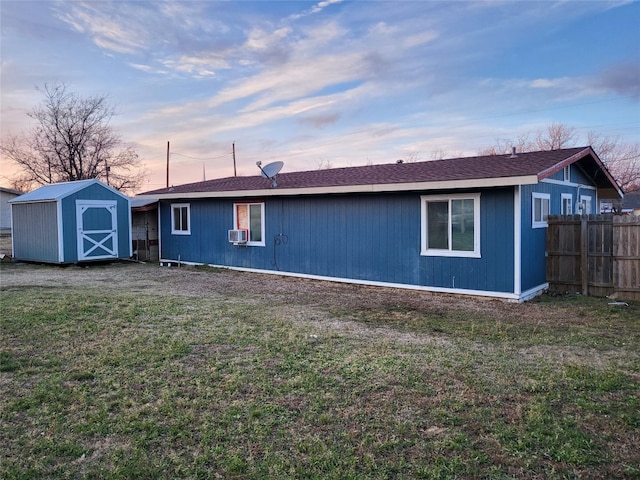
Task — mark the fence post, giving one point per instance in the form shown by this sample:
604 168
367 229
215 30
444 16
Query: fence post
584 261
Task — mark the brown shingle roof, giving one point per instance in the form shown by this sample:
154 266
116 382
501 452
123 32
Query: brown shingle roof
540 164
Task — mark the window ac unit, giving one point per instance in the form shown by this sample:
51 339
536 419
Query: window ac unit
237 236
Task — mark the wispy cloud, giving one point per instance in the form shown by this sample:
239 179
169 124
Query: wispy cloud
109 29
203 65
621 78
317 8
345 82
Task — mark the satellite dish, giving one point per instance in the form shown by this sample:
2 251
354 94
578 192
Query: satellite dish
271 171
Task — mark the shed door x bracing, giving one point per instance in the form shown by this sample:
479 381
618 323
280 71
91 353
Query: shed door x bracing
97 229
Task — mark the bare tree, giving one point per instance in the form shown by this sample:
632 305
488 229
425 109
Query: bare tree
412 157
621 159
555 137
325 164
505 146
72 140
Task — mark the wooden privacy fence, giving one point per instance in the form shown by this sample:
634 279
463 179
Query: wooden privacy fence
595 255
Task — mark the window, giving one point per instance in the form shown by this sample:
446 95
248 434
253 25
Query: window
180 219
540 205
567 173
585 205
250 217
567 204
607 206
451 225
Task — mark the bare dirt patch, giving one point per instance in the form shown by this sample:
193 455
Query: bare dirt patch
272 290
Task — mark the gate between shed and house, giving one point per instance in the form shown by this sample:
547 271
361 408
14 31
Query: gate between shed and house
97 222
596 255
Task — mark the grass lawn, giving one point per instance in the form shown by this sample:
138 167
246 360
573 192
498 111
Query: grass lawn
108 381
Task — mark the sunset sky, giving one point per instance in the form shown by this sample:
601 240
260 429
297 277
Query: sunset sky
340 83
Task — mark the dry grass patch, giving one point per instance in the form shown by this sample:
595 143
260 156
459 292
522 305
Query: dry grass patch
135 371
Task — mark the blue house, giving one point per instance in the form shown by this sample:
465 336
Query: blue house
71 222
473 226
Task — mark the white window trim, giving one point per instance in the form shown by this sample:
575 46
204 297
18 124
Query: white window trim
587 202
563 197
173 223
539 196
434 252
566 173
262 227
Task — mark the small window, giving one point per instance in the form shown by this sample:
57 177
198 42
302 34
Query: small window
585 205
567 173
250 217
180 219
451 225
540 206
567 204
607 206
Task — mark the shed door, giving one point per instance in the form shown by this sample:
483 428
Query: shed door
97 229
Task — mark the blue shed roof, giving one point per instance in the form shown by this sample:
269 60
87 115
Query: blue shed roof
57 191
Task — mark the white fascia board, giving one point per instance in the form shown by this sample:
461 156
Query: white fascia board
375 188
517 240
60 228
568 184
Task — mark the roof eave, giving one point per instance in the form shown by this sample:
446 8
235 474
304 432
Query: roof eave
370 188
575 158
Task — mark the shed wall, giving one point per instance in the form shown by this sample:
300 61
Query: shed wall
5 209
70 224
35 232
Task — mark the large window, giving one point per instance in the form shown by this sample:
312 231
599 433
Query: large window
250 217
451 225
540 209
180 219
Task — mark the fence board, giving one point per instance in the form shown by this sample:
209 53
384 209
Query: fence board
595 255
627 256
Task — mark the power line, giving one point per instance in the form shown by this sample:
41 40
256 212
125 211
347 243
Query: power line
200 158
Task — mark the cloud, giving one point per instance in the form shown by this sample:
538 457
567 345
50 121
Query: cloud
563 82
261 41
622 78
178 36
323 5
107 28
267 48
203 65
420 38
320 121
146 68
317 8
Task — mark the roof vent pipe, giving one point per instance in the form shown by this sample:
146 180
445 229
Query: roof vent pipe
513 153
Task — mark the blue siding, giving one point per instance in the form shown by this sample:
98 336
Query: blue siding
360 237
494 271
578 176
533 240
